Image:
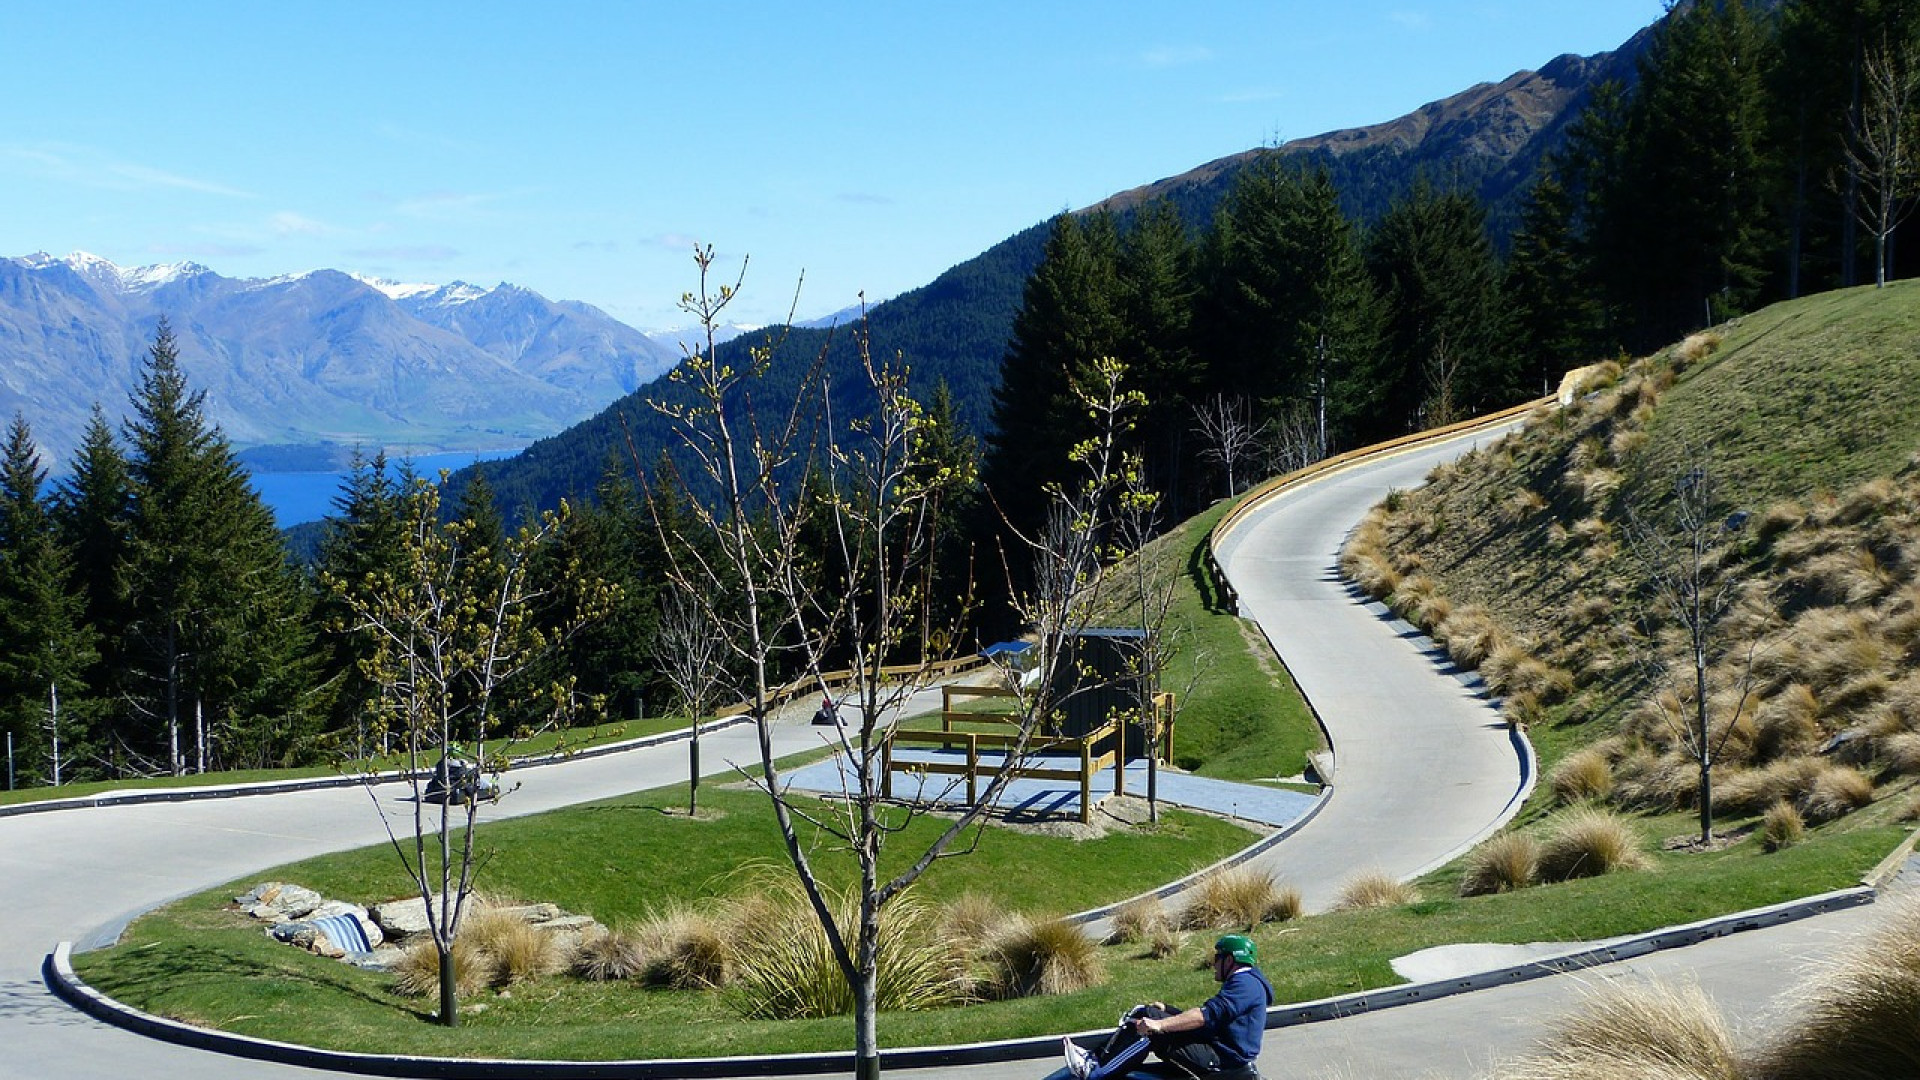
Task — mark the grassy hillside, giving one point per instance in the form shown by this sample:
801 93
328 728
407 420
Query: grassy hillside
1528 560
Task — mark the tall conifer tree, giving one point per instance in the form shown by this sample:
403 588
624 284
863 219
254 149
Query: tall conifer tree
44 648
216 624
1447 352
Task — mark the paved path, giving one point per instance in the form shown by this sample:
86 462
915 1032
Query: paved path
1423 767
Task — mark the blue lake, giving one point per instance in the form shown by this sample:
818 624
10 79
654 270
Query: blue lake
296 497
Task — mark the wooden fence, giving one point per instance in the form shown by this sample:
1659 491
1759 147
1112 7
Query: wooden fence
990 737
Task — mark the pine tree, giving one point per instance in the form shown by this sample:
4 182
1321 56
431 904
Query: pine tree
1447 352
362 541
217 622
1157 288
1549 286
1068 319
91 509
1817 90
1692 218
44 648
1289 312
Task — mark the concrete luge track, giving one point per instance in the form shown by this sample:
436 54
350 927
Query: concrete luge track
1423 768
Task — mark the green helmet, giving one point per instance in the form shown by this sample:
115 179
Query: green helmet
1238 946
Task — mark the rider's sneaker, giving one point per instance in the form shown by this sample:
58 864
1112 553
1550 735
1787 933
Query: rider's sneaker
1079 1062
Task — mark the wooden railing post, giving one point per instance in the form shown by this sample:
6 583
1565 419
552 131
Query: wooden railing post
973 768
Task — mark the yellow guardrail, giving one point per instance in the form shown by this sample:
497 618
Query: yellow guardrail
780 695
1253 499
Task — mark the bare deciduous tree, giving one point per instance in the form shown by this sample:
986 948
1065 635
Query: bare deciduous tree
1880 145
1226 423
1292 440
449 631
688 649
864 602
1692 589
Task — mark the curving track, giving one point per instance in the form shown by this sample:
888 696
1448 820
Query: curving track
1424 768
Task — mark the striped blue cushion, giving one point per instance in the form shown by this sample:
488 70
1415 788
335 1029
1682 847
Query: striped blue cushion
345 932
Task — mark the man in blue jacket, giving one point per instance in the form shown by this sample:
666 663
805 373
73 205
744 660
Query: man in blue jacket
1218 1038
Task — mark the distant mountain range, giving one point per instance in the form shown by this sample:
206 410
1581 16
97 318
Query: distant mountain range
300 369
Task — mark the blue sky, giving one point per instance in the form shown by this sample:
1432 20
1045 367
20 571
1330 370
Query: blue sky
581 148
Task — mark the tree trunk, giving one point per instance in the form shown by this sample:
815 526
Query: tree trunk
449 999
693 771
866 1038
1706 748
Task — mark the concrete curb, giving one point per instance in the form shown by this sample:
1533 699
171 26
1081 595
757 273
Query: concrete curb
318 783
1174 888
60 977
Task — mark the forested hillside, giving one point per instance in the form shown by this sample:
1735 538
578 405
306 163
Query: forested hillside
1487 141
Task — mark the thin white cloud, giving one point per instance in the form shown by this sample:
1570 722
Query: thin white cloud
1164 56
289 223
1407 19
446 205
95 168
422 253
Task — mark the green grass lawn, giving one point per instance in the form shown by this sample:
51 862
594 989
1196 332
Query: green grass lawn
200 963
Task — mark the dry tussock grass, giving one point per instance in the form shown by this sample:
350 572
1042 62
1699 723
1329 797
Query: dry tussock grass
520 952
1903 699
418 973
1238 898
686 949
1470 636
1140 919
1751 791
1374 889
970 916
1582 776
1647 780
1788 723
1040 956
1596 485
1838 790
1418 601
1589 842
1648 1031
1867 500
1588 453
1780 518
1505 863
1523 707
1855 1019
1847 575
611 956
1695 348
1901 752
1833 646
1781 827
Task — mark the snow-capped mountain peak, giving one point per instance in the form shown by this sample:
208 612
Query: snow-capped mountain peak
119 278
424 292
